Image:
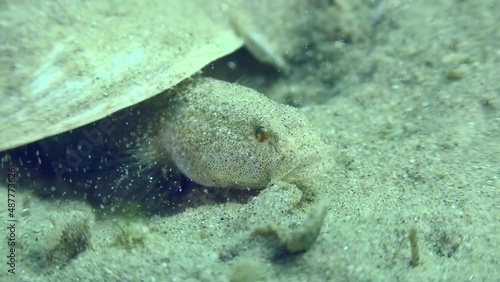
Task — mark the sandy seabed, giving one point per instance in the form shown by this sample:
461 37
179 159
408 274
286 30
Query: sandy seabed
407 93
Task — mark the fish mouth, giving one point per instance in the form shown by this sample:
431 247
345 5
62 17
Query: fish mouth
308 165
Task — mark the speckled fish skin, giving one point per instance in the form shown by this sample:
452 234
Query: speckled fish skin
209 132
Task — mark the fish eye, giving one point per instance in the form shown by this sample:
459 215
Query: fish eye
261 133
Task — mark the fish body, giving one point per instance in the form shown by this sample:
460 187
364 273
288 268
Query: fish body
220 134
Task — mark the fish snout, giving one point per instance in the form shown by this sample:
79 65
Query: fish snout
306 164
